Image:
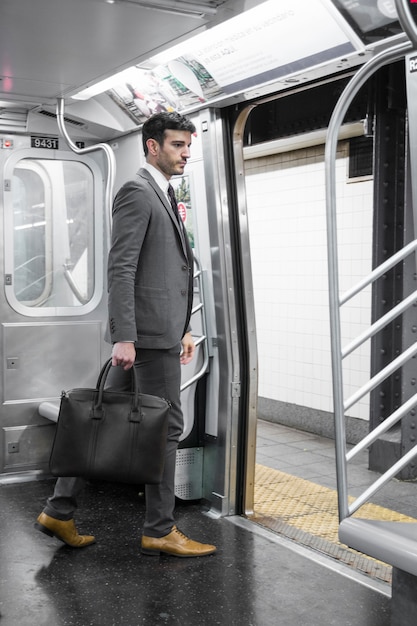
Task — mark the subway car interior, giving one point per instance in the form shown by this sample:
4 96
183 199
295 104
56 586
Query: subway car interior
298 454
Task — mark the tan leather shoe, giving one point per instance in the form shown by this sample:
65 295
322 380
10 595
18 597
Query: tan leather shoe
63 530
176 544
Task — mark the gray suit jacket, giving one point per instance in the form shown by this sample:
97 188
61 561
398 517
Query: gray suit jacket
150 268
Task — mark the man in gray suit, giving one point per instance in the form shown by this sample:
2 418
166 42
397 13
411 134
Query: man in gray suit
150 281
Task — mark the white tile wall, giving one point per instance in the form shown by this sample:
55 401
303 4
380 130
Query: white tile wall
287 226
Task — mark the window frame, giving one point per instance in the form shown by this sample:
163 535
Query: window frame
34 154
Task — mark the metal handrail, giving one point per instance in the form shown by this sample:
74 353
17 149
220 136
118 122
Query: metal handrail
379 324
385 57
73 286
202 340
406 21
382 480
383 427
379 271
104 147
381 376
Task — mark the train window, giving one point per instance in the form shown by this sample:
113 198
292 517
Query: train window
30 237
53 236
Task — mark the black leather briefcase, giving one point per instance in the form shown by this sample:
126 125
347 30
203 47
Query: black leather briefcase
117 436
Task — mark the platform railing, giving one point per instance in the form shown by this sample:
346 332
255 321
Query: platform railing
336 301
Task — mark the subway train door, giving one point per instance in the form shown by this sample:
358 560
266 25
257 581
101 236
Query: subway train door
52 306
223 399
207 459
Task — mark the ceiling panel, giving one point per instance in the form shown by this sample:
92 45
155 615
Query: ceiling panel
51 48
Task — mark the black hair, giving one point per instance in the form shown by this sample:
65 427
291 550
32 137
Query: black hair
155 127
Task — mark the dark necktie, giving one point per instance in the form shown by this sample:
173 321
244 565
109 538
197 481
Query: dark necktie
173 200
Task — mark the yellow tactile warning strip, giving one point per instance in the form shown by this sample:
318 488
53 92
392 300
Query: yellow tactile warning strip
308 513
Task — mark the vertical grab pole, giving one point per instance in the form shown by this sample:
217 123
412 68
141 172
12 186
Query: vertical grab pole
334 310
362 75
111 161
408 25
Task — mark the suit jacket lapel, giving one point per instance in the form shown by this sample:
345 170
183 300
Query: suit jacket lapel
179 227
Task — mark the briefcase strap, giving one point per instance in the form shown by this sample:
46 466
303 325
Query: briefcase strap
101 381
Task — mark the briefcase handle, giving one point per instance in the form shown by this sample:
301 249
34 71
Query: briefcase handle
101 381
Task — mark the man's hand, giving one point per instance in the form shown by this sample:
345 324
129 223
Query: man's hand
124 354
188 349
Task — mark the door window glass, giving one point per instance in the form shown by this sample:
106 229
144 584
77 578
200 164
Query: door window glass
29 235
53 233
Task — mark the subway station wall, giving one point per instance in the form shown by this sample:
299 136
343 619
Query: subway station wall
287 226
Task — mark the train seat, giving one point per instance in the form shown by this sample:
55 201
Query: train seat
394 543
49 410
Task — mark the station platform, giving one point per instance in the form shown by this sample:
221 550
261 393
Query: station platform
295 494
